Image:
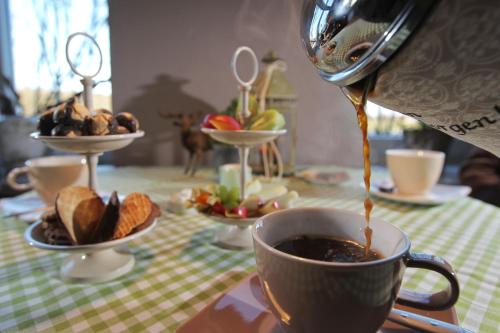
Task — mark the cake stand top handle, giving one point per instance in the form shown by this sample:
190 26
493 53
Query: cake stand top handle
246 84
87 81
72 65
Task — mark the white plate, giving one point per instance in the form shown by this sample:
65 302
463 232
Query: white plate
32 207
88 144
245 138
438 195
91 262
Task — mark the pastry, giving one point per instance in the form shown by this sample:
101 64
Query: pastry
121 130
54 231
64 130
99 124
128 121
107 225
46 122
80 210
137 209
73 119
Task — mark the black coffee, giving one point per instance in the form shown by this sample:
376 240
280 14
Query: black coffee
326 249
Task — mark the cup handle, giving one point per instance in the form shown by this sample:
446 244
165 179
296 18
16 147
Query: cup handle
12 179
440 300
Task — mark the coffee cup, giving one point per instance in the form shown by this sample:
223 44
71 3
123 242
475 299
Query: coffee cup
308 295
414 171
48 175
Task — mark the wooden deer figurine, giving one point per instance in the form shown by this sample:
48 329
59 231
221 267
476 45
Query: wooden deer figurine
193 139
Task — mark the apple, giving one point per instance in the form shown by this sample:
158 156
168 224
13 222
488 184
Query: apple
225 123
268 120
206 121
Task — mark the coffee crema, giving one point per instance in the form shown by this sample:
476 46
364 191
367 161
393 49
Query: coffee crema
327 249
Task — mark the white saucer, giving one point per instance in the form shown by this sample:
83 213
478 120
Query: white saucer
31 206
439 194
91 262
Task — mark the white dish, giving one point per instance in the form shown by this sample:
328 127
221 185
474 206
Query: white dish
91 262
439 194
244 138
27 209
88 144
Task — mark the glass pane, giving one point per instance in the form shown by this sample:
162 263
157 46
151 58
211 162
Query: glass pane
386 122
39 30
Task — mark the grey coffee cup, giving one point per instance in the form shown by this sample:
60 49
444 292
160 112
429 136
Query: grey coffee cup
317 296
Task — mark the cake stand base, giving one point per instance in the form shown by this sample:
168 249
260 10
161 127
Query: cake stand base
98 266
234 238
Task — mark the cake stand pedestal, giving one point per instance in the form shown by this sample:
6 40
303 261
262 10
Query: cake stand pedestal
236 234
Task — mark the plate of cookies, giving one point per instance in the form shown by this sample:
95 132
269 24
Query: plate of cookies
95 233
71 127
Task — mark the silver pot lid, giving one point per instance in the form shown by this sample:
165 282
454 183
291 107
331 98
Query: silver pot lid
349 39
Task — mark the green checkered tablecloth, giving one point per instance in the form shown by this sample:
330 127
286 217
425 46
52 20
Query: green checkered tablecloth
178 271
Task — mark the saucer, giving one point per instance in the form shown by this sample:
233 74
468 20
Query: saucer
438 195
244 309
27 209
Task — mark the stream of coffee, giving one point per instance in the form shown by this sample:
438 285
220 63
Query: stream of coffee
358 95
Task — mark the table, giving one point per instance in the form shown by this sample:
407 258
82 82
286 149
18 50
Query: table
179 271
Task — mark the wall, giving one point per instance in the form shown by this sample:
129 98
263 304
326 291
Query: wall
173 56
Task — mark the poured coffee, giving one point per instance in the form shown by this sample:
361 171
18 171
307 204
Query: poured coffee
358 95
327 249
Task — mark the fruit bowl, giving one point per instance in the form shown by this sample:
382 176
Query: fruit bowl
243 138
88 144
90 262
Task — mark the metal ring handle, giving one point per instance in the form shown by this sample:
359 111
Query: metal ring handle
73 68
239 50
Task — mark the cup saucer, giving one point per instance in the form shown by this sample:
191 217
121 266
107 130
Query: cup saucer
244 309
438 195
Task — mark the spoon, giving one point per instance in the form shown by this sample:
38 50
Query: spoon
424 324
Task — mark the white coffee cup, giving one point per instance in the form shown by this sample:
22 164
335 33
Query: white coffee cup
414 171
48 175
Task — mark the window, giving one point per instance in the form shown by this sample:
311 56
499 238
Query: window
385 122
39 30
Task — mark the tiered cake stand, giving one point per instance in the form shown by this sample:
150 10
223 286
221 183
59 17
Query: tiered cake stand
92 262
236 234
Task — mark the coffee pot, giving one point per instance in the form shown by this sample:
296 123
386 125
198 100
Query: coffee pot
437 61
